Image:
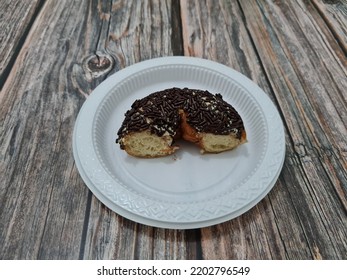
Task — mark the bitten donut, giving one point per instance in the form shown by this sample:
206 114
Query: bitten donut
154 122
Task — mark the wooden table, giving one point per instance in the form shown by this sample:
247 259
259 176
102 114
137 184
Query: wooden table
54 53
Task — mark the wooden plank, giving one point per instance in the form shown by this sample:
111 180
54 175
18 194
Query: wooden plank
48 213
51 214
210 27
334 14
16 19
43 199
291 55
113 237
217 31
133 31
300 66
304 67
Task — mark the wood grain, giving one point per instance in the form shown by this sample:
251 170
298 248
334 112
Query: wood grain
224 38
297 66
59 51
43 199
334 14
300 66
16 18
314 112
136 31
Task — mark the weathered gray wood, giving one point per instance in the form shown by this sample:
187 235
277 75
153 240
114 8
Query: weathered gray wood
309 82
133 31
43 199
291 49
224 38
288 46
334 13
16 18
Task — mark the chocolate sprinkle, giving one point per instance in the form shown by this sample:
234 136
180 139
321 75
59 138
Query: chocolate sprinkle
159 112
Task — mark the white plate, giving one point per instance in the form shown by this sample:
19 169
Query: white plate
185 190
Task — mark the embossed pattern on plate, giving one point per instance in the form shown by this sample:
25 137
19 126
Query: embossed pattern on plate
186 190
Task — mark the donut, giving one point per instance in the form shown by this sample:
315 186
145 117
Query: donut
154 123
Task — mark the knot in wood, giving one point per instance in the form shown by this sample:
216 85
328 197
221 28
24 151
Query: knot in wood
98 64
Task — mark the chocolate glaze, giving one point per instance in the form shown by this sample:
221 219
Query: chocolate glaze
159 112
